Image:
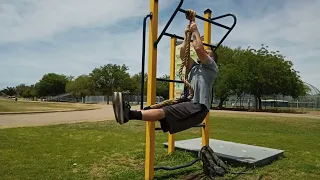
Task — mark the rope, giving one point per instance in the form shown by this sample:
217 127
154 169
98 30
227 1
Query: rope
190 15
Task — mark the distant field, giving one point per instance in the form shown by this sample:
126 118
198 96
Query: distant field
8 105
106 150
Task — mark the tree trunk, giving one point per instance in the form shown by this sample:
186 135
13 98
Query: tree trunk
260 104
221 102
256 103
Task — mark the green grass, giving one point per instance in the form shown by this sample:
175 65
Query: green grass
31 106
105 150
293 110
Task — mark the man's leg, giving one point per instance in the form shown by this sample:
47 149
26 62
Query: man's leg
173 118
123 112
147 115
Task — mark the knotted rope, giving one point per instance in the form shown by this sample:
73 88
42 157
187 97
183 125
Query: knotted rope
190 15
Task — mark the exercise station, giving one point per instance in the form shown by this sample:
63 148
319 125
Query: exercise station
229 152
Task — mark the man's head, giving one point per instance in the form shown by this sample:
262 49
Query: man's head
212 54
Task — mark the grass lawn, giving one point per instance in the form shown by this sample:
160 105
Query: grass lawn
31 106
106 150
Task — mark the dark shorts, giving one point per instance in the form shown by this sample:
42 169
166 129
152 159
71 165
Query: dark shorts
183 116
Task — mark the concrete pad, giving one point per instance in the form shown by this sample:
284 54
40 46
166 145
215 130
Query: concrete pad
234 153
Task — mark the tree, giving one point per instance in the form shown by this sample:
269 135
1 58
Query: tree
30 92
267 74
9 91
110 78
20 89
51 84
70 78
222 86
228 81
135 87
257 72
163 87
80 87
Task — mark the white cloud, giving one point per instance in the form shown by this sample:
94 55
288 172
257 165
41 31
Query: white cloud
26 25
35 20
74 36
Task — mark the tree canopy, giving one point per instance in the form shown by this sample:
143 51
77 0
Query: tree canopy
110 78
10 91
258 72
81 86
51 84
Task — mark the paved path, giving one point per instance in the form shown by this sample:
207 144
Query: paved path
19 120
104 113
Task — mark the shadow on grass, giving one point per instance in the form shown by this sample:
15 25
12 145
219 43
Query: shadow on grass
199 175
189 175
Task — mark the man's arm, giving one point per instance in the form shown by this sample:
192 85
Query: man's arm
198 45
182 52
182 49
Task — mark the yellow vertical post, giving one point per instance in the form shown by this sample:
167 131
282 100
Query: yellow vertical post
207 39
151 96
171 90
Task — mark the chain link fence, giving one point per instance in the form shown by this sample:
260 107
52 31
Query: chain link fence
132 99
248 102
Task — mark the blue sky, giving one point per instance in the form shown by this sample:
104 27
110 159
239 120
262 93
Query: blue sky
74 36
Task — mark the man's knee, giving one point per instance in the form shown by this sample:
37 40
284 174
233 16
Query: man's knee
153 114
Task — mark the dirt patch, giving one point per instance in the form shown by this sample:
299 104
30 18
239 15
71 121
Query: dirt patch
99 170
103 168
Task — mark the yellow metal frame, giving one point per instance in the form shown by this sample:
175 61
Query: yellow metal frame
151 96
152 72
207 39
171 89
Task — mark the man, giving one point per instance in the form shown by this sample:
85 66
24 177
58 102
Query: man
184 115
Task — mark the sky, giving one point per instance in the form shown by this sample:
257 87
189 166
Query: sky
73 37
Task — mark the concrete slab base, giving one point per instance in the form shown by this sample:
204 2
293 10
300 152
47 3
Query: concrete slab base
234 153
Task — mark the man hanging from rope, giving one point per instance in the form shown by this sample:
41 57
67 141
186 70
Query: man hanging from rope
183 115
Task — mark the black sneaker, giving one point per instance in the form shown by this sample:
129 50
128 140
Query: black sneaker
117 104
121 108
126 111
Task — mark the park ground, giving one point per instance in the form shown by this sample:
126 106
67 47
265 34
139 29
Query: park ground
76 149
10 106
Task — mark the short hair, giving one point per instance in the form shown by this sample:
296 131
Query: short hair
213 54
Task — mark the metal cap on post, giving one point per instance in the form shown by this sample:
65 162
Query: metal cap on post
207 11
